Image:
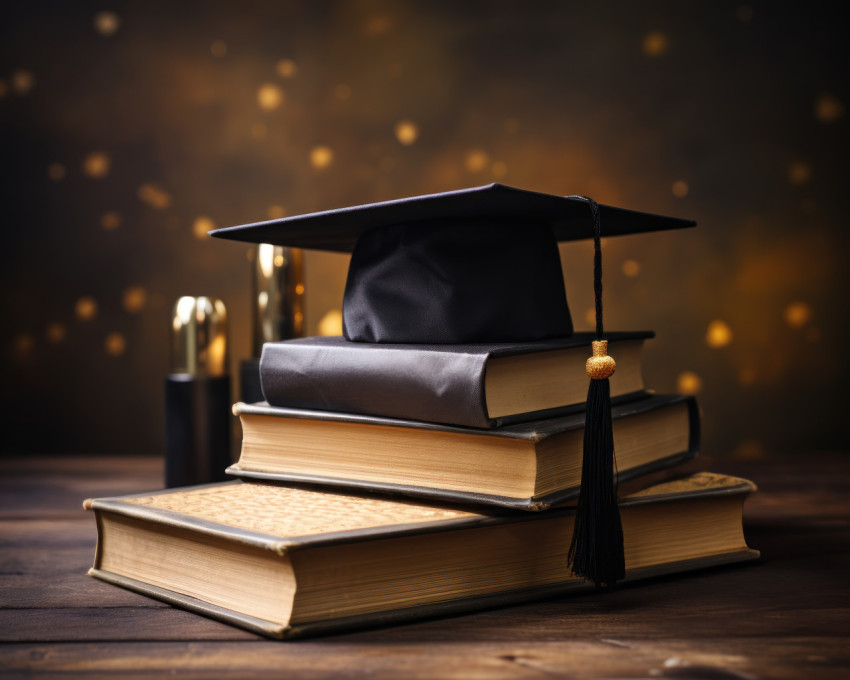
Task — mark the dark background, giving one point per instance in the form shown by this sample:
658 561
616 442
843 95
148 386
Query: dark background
129 129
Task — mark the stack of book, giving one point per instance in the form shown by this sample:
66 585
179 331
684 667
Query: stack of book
419 468
363 513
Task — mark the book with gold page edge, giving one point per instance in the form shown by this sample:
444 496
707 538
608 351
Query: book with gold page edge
288 562
526 466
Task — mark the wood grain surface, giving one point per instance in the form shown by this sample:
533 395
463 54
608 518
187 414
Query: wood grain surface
786 616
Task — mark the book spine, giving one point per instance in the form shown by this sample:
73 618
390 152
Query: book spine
414 384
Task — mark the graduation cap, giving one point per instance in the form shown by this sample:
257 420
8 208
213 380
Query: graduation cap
473 266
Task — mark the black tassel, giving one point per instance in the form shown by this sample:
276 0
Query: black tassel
596 549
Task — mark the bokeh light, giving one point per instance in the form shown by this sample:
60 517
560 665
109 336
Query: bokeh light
269 97
110 221
286 68
22 82
406 132
155 196
799 173
718 334
96 165
476 160
331 323
655 44
680 189
107 23
798 314
201 226
688 382
631 267
275 212
321 157
86 308
56 333
134 299
115 344
828 108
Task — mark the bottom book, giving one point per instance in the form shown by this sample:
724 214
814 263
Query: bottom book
287 562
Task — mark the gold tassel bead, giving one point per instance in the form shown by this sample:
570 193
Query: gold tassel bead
600 365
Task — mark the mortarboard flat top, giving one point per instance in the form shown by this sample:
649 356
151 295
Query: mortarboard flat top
468 266
339 229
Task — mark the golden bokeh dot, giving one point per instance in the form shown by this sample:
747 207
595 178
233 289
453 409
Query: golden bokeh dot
688 382
406 132
590 316
22 82
279 261
747 376
745 13
799 173
331 323
499 169
107 23
511 126
275 212
680 188
4 88
718 334
96 165
110 221
56 333
155 196
135 298
56 171
299 289
23 345
259 130
321 157
286 68
476 160
86 308
750 449
115 344
201 226
798 314
655 44
342 91
269 96
828 108
218 49
631 267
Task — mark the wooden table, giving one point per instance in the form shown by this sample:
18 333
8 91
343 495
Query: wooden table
787 616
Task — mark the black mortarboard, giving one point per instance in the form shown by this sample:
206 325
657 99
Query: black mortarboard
474 265
482 265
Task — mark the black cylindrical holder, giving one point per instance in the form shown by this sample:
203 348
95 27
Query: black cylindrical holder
197 429
197 394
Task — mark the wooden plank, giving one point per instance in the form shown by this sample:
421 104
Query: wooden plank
720 658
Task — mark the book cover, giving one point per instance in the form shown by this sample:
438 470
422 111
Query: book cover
529 466
287 562
483 385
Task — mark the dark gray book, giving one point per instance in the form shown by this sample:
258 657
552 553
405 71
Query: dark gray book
528 466
287 562
486 385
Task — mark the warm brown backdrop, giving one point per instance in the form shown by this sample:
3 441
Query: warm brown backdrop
129 128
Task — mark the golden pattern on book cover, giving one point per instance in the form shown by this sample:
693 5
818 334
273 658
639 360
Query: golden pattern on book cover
289 512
